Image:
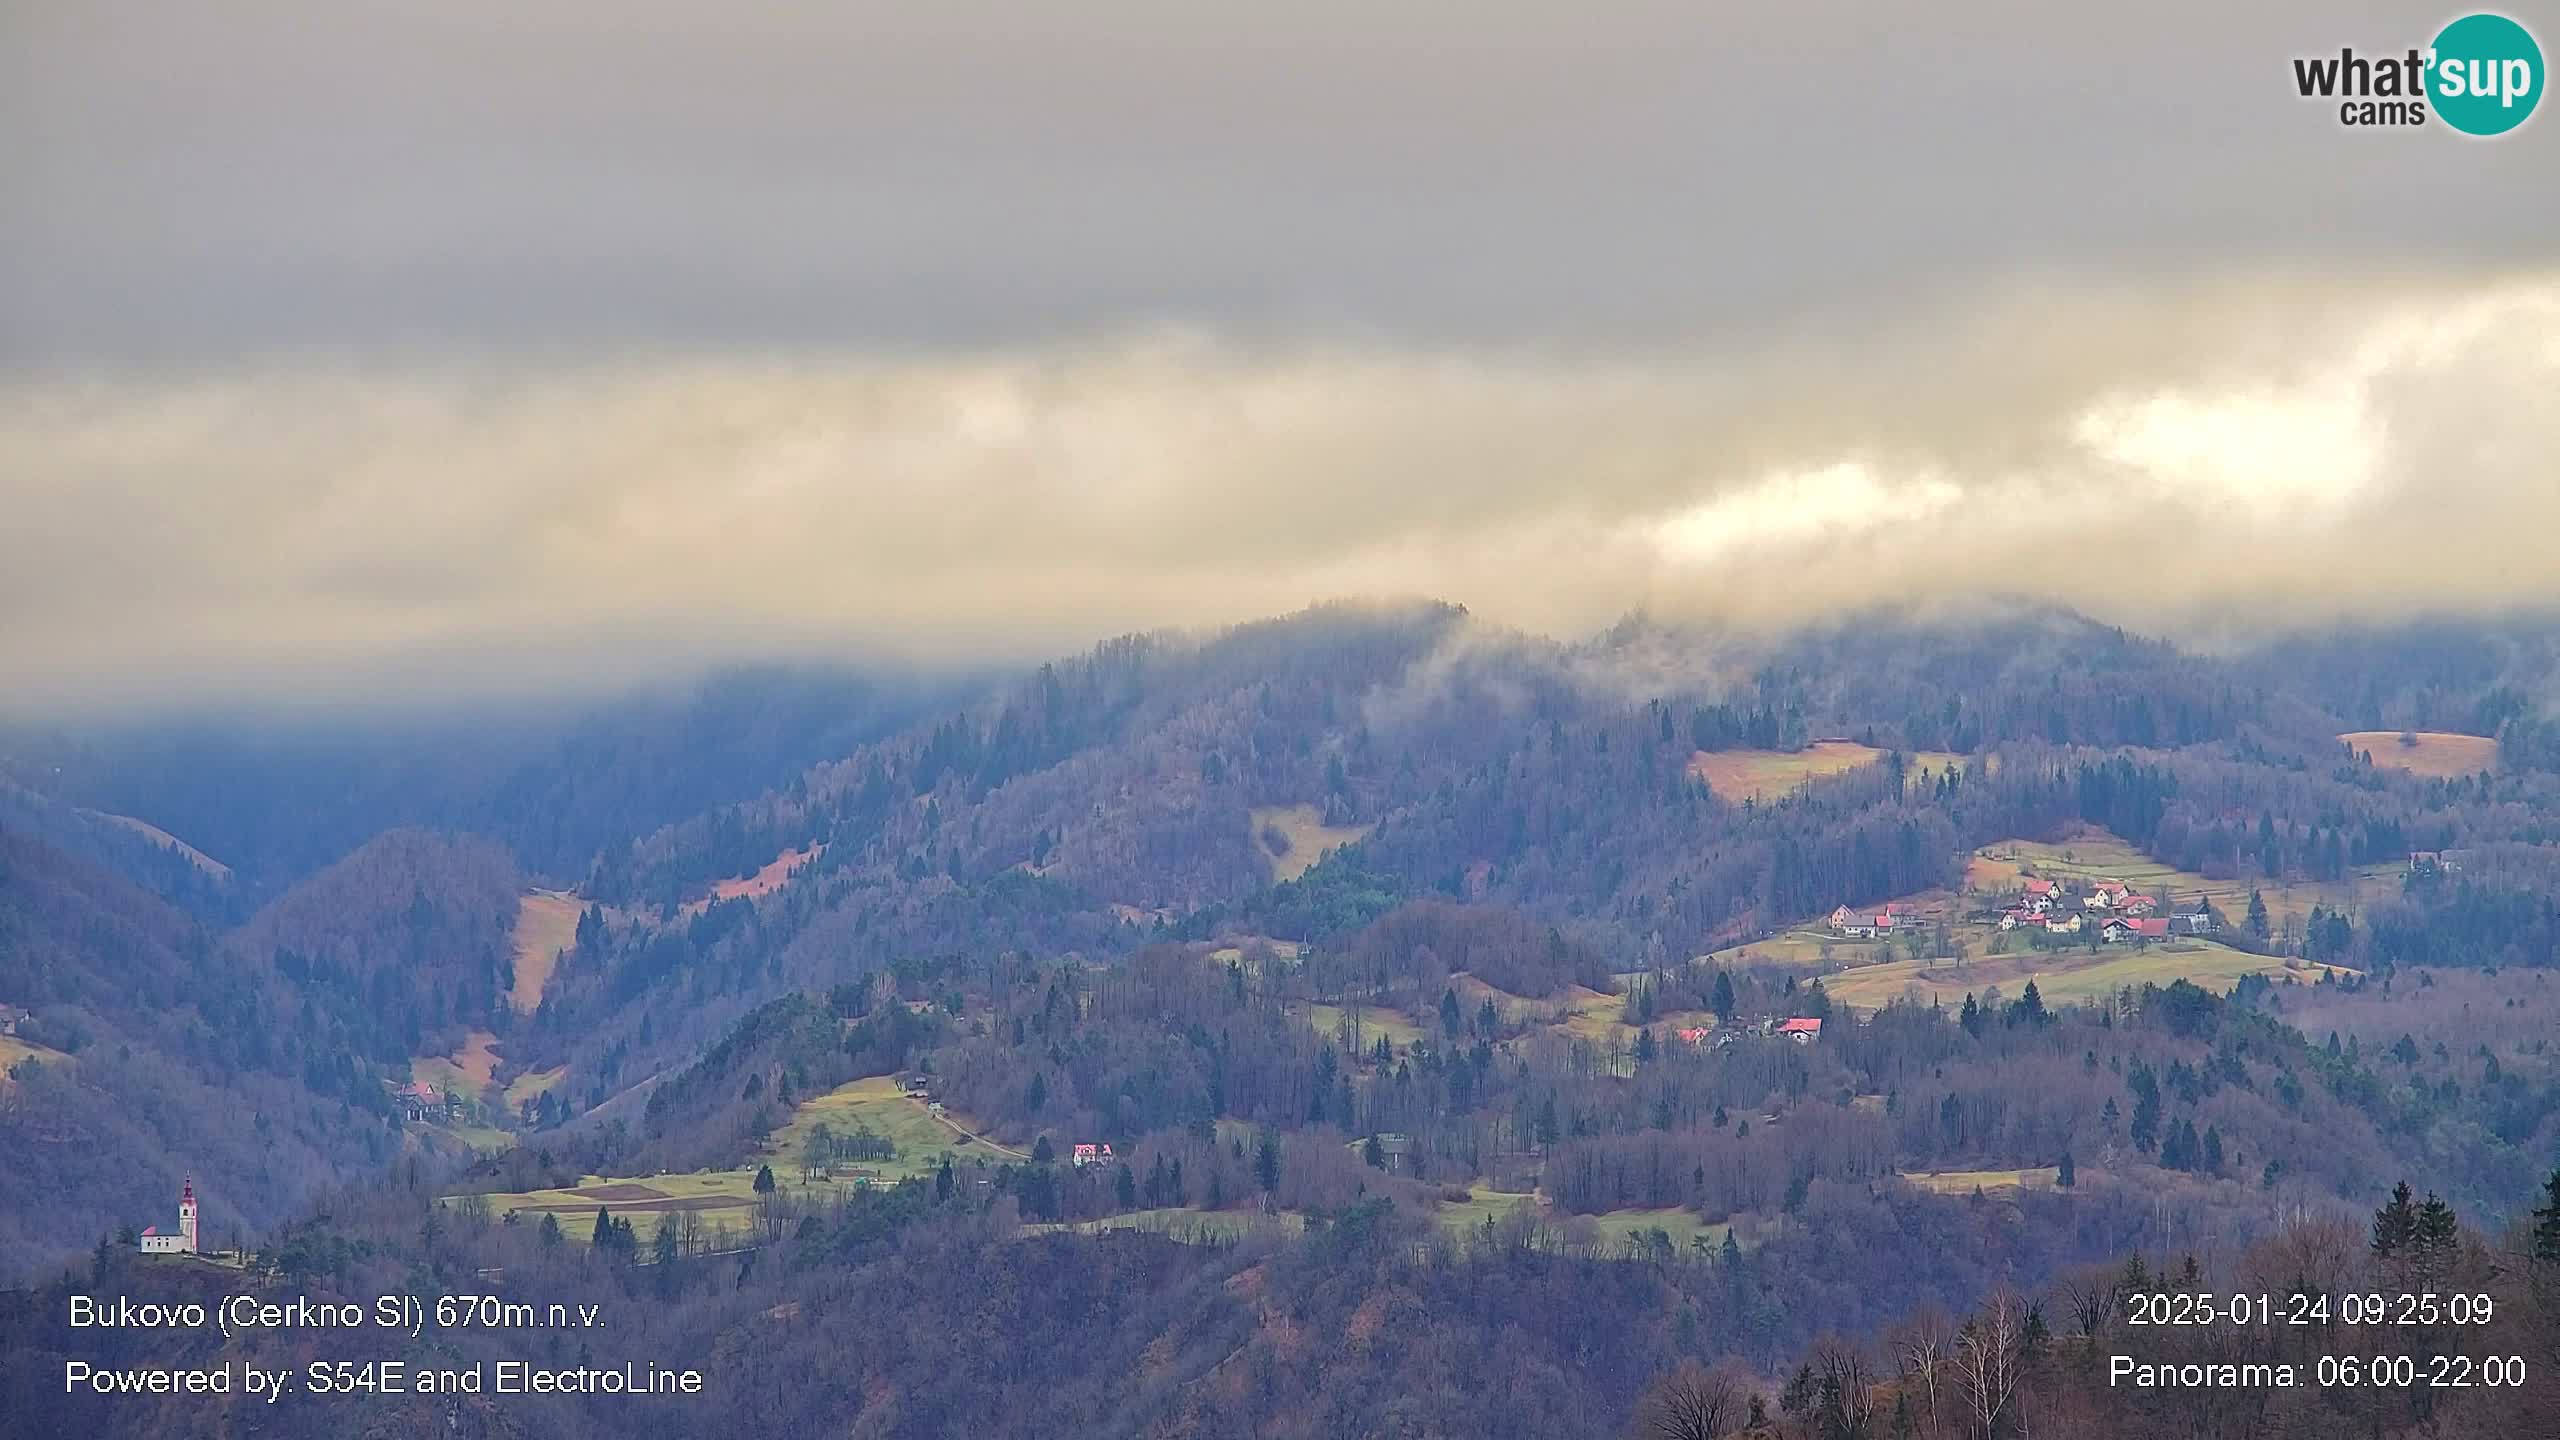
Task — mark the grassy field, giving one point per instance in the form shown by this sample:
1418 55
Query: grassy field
1766 775
724 1199
2097 855
1375 1020
546 924
1682 1226
1804 946
13 1050
2438 755
876 1105
1965 1182
1482 1205
1309 837
1602 1019
727 1197
2060 976
534 1082
488 1140
466 1071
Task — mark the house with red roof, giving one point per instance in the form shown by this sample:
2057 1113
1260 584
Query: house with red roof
1801 1031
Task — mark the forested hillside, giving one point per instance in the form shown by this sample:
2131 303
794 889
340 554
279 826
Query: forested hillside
275 796
1435 989
151 1052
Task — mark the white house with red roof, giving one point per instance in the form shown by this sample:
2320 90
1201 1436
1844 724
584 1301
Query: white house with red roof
1801 1031
1084 1155
2062 925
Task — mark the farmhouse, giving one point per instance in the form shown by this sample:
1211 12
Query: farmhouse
2136 903
2198 921
1803 1032
1092 1155
2062 924
1696 1034
2119 928
1859 925
182 1243
421 1101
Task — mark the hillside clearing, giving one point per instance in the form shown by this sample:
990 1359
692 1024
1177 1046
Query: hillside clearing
874 1104
1375 1020
13 1050
546 924
1768 775
163 838
2438 755
2094 854
2060 976
467 1071
1965 1182
1303 833
533 1083
726 1199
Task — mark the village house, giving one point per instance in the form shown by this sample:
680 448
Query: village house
1860 925
1696 1034
1091 1155
2118 929
2062 924
1803 1031
420 1101
2198 921
2137 903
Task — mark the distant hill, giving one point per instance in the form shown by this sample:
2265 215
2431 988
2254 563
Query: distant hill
176 1065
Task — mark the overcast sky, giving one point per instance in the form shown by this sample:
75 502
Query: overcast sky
533 341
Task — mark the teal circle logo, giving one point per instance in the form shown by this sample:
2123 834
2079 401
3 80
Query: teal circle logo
2484 75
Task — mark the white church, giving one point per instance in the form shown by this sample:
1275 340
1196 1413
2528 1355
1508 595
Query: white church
182 1243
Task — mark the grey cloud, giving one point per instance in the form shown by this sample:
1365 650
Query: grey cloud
189 182
383 349
2268 451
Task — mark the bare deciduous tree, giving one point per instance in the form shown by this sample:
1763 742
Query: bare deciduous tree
1987 1354
1692 1402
